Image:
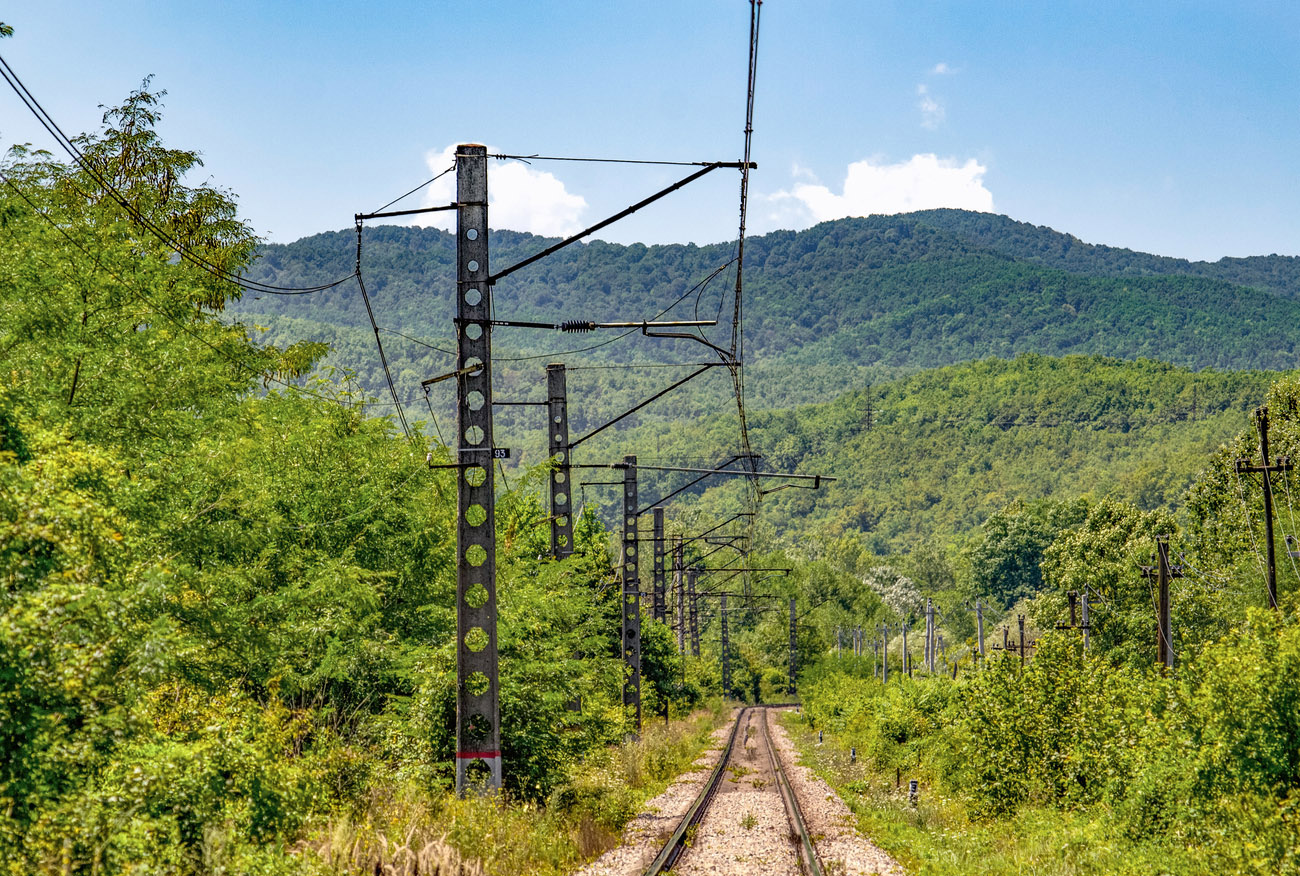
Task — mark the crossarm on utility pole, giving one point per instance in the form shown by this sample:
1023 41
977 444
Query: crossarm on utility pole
662 499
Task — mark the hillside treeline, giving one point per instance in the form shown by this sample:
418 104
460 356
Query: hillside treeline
827 309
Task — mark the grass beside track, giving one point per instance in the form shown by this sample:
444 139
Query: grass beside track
409 832
939 837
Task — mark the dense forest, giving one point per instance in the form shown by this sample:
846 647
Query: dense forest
828 309
227 614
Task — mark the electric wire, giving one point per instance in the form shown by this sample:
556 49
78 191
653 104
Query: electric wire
1286 483
383 359
418 341
612 340
1250 528
737 322
434 417
637 366
68 145
527 158
417 188
179 322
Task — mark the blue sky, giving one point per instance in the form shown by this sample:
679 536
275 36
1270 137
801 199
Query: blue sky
1170 127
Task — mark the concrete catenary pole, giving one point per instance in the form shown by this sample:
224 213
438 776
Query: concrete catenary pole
478 713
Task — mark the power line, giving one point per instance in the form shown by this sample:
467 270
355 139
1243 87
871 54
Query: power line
616 338
64 142
637 366
417 188
737 324
418 341
527 158
182 324
383 359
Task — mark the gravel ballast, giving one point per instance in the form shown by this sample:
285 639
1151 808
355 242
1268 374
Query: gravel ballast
830 822
645 834
745 830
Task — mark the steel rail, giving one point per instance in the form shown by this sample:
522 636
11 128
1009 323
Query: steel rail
807 853
676 844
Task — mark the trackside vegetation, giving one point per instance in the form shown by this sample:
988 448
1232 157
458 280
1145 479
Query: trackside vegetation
227 600
1096 760
227 579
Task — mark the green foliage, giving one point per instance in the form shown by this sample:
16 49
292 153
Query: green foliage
1005 562
1203 763
227 600
948 449
893 295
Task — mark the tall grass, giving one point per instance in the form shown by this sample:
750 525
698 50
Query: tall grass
940 836
407 832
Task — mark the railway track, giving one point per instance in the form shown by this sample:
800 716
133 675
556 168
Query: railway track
714 836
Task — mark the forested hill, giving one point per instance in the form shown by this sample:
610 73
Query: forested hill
884 294
1037 243
933 455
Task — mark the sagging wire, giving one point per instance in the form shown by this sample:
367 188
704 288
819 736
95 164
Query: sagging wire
418 341
68 145
1289 539
436 428
180 323
1250 528
383 359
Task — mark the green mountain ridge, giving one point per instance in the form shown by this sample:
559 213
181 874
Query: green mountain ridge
826 309
1037 243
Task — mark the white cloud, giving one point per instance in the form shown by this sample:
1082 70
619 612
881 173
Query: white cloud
940 68
519 197
923 182
932 112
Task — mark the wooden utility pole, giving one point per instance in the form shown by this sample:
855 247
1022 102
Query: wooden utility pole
1163 573
1266 471
478 712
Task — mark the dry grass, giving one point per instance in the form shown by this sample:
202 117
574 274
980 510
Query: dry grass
419 849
